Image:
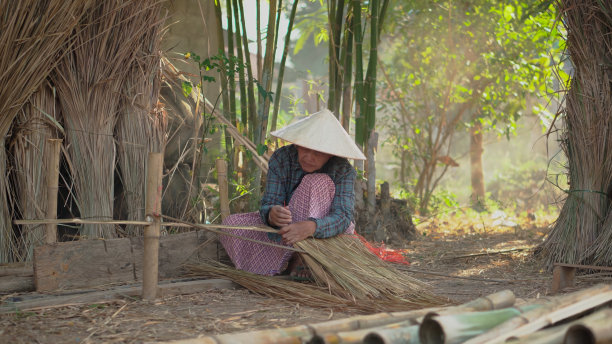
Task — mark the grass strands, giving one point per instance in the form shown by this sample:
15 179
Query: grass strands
89 82
141 127
347 268
291 291
33 35
347 275
31 130
580 235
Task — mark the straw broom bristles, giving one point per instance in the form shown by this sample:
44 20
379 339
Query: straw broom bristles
344 268
142 126
347 268
33 34
587 139
31 130
89 82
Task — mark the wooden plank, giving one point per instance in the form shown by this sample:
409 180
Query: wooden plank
587 267
16 269
167 288
92 263
12 284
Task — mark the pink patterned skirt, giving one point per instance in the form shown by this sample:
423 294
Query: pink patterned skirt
312 198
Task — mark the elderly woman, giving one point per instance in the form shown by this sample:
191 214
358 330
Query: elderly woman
309 193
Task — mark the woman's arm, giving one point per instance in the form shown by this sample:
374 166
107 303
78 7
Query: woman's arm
341 212
275 191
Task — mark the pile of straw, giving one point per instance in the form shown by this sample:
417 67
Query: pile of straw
35 123
583 231
347 276
89 81
33 35
345 266
141 126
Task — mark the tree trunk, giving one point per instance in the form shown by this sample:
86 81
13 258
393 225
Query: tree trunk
476 150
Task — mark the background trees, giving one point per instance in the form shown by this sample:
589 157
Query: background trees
451 68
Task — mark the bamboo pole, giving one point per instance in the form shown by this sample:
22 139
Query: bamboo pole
594 329
52 155
341 328
402 334
151 233
561 308
223 190
457 328
400 327
142 223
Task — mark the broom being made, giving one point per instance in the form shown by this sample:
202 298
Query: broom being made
341 265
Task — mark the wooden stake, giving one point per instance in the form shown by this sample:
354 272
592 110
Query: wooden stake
52 155
223 189
151 232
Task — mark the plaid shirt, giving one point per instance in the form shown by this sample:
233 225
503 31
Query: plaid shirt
284 176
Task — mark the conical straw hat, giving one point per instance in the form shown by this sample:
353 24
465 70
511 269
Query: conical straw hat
322 132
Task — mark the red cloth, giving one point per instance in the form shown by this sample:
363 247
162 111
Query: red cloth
384 253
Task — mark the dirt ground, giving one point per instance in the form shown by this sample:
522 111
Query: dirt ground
461 259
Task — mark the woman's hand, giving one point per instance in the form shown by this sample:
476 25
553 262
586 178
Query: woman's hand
279 216
297 231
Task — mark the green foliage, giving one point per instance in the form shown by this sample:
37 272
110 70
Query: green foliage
521 186
449 65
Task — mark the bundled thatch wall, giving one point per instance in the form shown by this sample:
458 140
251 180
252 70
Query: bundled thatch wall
84 67
28 55
583 231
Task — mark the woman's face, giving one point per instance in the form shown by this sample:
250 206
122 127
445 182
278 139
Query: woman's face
311 160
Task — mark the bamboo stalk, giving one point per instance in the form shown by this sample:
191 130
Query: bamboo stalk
52 154
559 334
281 71
594 329
560 308
141 223
402 334
150 269
457 328
348 329
222 181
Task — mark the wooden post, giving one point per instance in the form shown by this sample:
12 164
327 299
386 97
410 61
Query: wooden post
153 194
52 156
385 200
223 188
563 276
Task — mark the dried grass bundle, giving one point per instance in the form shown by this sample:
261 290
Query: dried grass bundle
580 234
141 127
89 82
271 286
348 277
33 34
35 123
345 266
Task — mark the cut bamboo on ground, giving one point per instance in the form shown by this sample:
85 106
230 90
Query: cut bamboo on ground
316 333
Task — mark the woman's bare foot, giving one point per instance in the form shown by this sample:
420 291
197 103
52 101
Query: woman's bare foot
298 269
